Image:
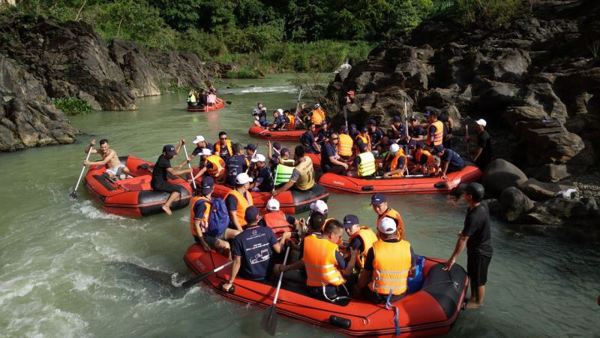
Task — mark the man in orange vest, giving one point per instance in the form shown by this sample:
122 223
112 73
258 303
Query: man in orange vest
325 265
277 220
398 162
388 265
238 200
223 146
200 211
361 238
435 130
382 209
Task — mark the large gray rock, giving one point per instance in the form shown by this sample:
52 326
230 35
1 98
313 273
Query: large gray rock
501 174
548 141
540 191
514 203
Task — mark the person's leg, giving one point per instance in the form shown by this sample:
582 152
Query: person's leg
223 247
167 206
473 278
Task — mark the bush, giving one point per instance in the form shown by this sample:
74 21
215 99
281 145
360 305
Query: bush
488 13
72 105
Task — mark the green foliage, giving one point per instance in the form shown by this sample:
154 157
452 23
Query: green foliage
72 105
488 13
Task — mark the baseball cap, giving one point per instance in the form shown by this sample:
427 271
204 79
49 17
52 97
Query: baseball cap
277 145
251 214
377 199
243 178
280 111
319 206
387 226
394 148
371 121
258 158
198 139
273 205
169 149
481 122
364 129
350 220
207 185
438 149
250 146
206 152
317 105
397 118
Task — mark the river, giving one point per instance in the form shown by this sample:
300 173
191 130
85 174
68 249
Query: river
70 270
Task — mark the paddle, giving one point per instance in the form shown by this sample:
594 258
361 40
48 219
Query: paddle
297 107
73 194
195 280
269 320
189 166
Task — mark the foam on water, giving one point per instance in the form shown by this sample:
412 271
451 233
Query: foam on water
87 209
259 89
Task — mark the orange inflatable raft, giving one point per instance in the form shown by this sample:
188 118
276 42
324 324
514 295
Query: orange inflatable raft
219 104
429 310
133 197
404 185
276 135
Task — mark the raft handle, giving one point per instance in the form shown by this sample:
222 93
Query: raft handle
367 188
342 322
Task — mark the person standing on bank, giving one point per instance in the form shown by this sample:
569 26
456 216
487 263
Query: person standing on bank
483 153
476 236
160 175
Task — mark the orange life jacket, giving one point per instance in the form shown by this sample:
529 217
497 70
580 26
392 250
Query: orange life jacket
318 116
194 217
227 144
438 137
218 164
345 145
394 164
391 266
430 163
277 221
320 262
368 238
391 213
292 124
243 202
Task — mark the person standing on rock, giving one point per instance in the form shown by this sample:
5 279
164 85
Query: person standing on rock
476 236
160 173
110 159
483 153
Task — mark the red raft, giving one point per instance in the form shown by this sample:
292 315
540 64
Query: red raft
429 311
219 104
404 185
276 135
291 201
133 197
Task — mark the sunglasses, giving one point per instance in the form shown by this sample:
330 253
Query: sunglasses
223 138
335 138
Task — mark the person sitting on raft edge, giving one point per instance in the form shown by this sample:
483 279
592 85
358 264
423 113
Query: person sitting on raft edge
252 250
160 173
110 159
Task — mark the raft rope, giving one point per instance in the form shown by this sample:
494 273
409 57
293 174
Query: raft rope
389 306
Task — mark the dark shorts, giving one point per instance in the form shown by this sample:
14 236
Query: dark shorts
210 240
170 188
329 293
335 169
477 269
378 298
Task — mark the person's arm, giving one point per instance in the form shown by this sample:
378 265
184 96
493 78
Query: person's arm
364 278
179 145
269 150
90 148
178 172
458 248
277 246
199 230
350 265
103 162
294 266
200 172
477 153
400 170
445 165
235 269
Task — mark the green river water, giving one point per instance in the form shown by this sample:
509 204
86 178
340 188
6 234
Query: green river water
70 270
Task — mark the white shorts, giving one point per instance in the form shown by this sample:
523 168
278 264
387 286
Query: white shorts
115 171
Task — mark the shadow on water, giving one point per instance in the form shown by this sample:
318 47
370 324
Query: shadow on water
160 284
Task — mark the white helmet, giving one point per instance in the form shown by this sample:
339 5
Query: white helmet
273 205
394 148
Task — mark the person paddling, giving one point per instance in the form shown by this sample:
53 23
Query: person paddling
110 159
476 236
160 175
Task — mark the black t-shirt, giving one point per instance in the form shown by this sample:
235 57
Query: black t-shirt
484 141
308 140
328 150
254 245
159 173
477 227
376 136
264 180
235 165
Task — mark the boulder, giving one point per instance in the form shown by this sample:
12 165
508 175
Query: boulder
501 174
503 64
524 113
548 141
539 191
549 172
514 203
542 95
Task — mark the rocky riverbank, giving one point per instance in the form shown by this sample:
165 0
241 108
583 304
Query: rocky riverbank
536 80
41 59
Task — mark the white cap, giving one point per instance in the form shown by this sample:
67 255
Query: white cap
394 148
243 178
317 105
319 206
272 205
258 158
206 152
387 226
280 111
481 122
198 139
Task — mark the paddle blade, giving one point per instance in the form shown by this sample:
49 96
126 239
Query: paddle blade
269 321
73 195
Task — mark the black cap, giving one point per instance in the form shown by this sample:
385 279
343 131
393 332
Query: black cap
169 149
377 199
251 215
397 118
207 185
364 129
277 145
438 149
250 146
350 220
371 121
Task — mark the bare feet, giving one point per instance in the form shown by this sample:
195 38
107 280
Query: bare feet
473 305
167 210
